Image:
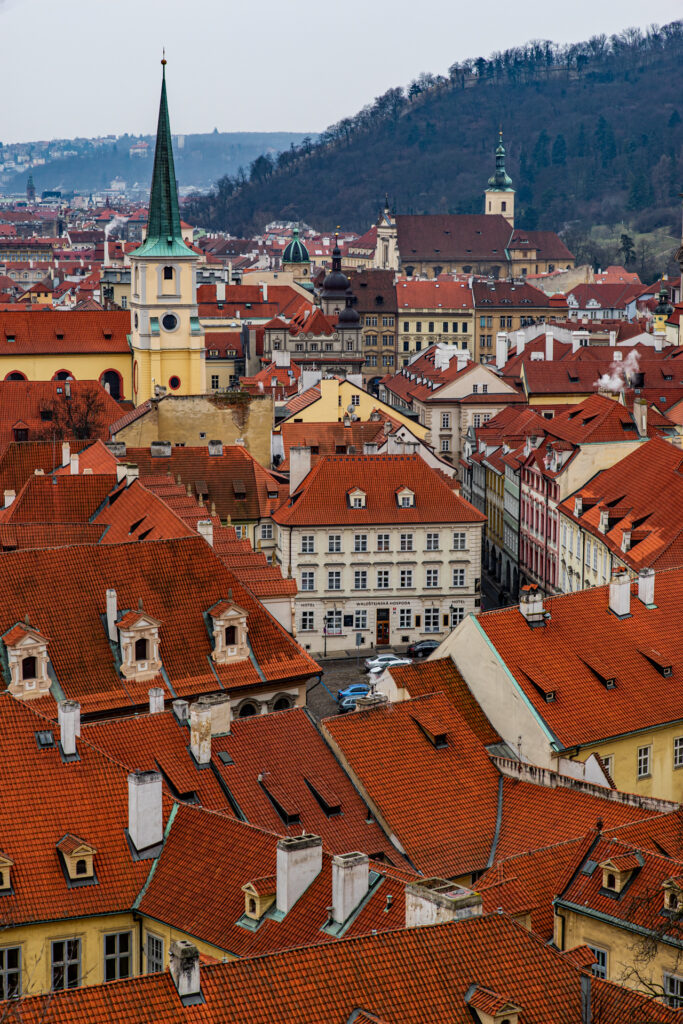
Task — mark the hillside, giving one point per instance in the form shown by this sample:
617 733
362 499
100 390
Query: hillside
593 132
199 161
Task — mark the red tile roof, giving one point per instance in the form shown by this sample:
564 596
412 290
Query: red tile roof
59 499
444 294
20 460
323 496
64 332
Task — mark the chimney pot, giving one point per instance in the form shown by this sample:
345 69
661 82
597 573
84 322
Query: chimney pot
69 717
200 732
185 970
299 862
646 587
145 810
350 882
156 700
620 594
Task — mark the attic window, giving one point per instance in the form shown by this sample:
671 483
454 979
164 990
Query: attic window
432 728
230 633
46 415
405 498
10 337
239 489
45 740
6 865
139 644
660 659
326 797
357 499
281 800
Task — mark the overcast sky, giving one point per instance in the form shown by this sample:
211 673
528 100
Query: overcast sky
87 67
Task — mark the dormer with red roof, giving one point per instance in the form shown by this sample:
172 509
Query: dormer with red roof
230 632
27 661
76 857
139 645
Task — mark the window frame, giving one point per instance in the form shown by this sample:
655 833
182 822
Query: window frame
118 955
334 543
644 758
66 962
432 620
7 972
150 937
308 583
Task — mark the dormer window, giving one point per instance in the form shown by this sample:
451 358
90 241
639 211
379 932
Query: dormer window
230 632
259 897
139 645
28 662
617 872
405 498
6 865
673 896
356 498
77 859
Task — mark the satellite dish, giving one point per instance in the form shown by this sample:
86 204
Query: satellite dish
350 408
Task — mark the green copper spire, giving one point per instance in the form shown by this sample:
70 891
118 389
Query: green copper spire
164 236
500 181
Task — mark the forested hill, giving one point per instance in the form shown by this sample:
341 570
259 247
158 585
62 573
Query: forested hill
593 133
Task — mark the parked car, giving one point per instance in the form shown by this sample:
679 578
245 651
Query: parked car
422 649
389 664
354 691
380 659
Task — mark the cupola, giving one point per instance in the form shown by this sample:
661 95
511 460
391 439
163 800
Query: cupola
295 251
230 632
28 661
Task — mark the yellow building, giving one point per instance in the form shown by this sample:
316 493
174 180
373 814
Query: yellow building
337 397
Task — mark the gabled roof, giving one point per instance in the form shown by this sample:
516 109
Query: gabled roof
60 332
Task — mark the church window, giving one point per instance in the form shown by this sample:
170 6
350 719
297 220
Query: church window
169 321
174 383
168 273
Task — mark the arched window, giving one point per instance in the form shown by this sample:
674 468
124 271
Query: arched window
611 881
230 636
28 668
252 905
282 704
63 375
673 901
113 379
141 648
81 867
248 711
16 375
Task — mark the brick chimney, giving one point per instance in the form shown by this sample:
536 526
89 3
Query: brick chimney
185 971
69 717
145 811
646 587
350 882
299 862
620 594
299 466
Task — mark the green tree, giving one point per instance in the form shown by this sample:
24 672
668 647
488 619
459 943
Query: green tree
540 155
627 250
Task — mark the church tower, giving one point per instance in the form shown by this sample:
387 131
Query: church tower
500 195
166 337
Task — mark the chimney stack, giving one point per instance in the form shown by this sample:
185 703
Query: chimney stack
620 594
520 342
185 971
9 497
462 359
145 811
435 901
646 587
220 711
299 466
181 710
350 882
299 862
549 339
69 717
531 605
200 732
659 341
66 452
501 349
215 447
612 339
205 530
120 472
156 700
112 615
640 416
73 464
132 473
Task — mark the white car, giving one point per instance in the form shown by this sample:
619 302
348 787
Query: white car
393 663
379 659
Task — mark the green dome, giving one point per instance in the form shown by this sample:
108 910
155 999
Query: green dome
501 180
296 251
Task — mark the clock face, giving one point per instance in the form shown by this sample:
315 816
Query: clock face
169 321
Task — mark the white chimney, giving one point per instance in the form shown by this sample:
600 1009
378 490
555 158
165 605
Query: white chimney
156 700
646 587
132 473
112 614
215 447
549 346
612 339
9 497
264 290
463 358
299 862
66 452
73 465
181 710
501 349
183 962
145 812
205 530
531 605
520 342
659 341
200 732
620 594
120 472
350 881
640 416
220 712
220 291
69 717
299 466
436 900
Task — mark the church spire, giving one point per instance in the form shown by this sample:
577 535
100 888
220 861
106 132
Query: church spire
501 179
164 235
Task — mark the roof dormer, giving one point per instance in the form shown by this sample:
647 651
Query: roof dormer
230 632
139 645
673 896
405 498
490 1007
28 661
259 897
6 865
356 498
77 859
618 871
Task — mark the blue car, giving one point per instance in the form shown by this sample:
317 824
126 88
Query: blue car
351 694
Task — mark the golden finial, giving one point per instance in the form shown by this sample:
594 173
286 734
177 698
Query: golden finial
163 57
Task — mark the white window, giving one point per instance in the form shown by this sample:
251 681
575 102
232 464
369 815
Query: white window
608 761
431 620
484 389
406 578
266 531
678 752
644 761
10 972
358 501
458 577
445 421
406 542
307 621
432 578
334 622
382 579
334 579
600 966
445 444
475 389
307 544
360 542
155 954
405 618
215 381
355 399
407 500
240 531
595 556
334 543
432 542
360 579
587 552
383 542
457 615
673 991
360 620
308 580
477 420
459 541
